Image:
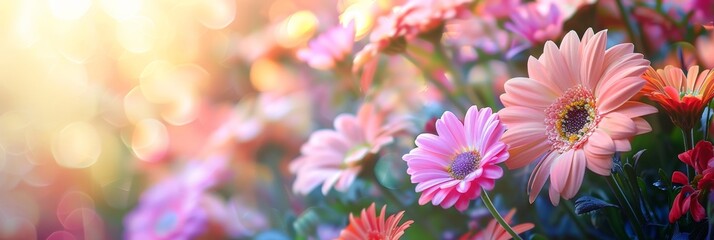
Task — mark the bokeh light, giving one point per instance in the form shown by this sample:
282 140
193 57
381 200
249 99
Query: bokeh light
77 145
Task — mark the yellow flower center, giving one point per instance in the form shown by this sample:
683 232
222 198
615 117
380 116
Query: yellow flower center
571 119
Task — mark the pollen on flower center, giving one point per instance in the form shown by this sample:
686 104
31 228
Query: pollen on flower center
464 164
571 119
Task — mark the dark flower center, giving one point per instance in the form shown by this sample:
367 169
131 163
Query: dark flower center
571 119
464 164
575 119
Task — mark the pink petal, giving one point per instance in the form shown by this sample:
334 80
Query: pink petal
634 109
524 155
515 116
570 49
463 186
524 134
642 126
600 164
451 130
554 195
561 170
433 143
594 54
577 173
557 66
615 93
622 145
527 92
493 172
540 175
600 143
538 72
618 126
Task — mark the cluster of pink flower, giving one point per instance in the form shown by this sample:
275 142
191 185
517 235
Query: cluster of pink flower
583 103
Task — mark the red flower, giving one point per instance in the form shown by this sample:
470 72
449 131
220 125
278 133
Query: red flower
701 158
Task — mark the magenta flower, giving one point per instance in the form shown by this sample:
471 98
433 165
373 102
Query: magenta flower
534 25
329 48
335 157
451 168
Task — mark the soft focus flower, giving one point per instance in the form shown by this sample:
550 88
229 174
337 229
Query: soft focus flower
705 46
407 21
701 158
496 8
574 111
173 208
471 33
369 225
682 96
329 48
566 7
534 25
335 157
451 168
169 210
495 231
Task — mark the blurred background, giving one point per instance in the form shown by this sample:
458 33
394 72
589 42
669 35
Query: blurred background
103 100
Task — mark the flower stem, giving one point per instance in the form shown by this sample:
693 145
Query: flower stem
688 145
622 199
487 201
457 74
626 20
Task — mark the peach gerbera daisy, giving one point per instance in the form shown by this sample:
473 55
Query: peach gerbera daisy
682 96
335 157
574 111
369 225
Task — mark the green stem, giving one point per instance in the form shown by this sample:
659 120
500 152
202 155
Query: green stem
456 73
571 213
688 144
708 121
622 199
630 30
487 201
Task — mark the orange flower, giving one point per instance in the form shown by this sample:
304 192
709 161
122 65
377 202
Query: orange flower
494 231
370 226
682 96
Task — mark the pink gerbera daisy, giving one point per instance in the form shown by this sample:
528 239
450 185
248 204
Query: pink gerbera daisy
534 25
451 168
335 157
574 111
369 225
328 49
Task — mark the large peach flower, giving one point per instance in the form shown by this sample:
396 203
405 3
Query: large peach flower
574 111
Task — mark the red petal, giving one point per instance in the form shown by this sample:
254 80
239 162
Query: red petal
679 178
696 208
